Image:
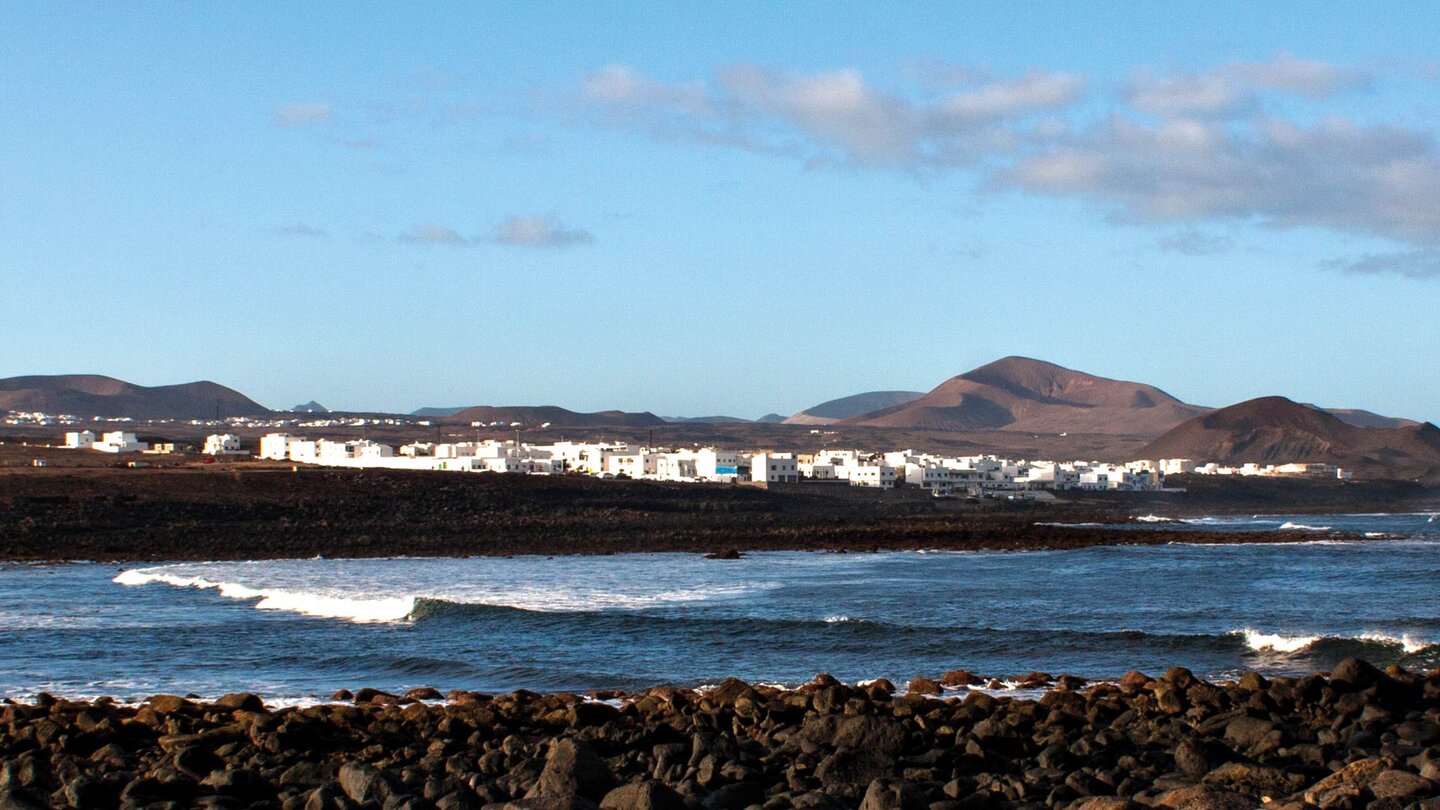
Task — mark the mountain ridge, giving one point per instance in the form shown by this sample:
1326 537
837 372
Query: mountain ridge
1277 430
1024 394
101 395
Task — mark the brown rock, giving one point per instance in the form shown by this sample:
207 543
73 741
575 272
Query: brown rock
924 686
1401 786
1203 797
960 677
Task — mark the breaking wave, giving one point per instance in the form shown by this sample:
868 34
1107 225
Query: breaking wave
305 603
1277 643
372 609
1302 527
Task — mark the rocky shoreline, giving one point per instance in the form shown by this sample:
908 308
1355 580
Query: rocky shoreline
1355 737
112 515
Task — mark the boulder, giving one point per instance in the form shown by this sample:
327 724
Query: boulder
572 768
1349 779
893 794
1255 781
1203 797
960 677
731 690
735 797
168 704
647 795
239 783
924 686
1355 674
241 702
366 783
1401 786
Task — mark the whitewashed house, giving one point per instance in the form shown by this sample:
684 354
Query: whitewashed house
80 439
774 468
276 446
222 444
120 441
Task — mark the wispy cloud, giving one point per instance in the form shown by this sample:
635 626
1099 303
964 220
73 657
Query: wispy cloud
299 115
1234 89
540 231
433 234
1374 181
1410 264
829 117
300 229
1195 243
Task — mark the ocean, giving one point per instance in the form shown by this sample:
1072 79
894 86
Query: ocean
297 630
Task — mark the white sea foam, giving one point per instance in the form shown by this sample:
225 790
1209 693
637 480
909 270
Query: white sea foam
398 604
1406 642
1302 527
1274 642
1154 519
305 603
1070 525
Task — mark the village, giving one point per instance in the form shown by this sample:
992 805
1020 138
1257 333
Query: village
938 475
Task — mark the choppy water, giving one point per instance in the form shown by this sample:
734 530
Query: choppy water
301 629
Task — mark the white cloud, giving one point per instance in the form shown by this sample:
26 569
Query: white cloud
1205 95
1186 150
1305 77
1234 89
298 115
432 234
1375 181
1410 264
540 231
835 116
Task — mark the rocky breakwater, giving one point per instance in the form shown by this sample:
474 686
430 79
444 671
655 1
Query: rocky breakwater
1356 738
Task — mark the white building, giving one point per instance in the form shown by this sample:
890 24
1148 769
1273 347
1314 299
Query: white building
774 468
222 444
880 476
120 441
80 440
276 446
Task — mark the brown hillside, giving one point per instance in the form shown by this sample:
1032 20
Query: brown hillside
98 395
1275 430
1021 394
535 415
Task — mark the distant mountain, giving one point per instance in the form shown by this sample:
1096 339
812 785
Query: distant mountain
1022 394
1365 419
1275 430
703 420
534 415
436 411
97 395
771 419
855 405
310 407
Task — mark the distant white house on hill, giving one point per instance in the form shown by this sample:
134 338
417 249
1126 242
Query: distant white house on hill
80 439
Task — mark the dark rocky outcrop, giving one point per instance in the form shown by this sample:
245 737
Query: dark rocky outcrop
1359 737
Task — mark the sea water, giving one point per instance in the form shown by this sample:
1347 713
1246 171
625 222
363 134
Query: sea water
297 630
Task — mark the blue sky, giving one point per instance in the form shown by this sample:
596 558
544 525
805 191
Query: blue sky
740 209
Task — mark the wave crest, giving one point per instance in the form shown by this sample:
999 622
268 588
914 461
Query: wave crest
305 603
1278 643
